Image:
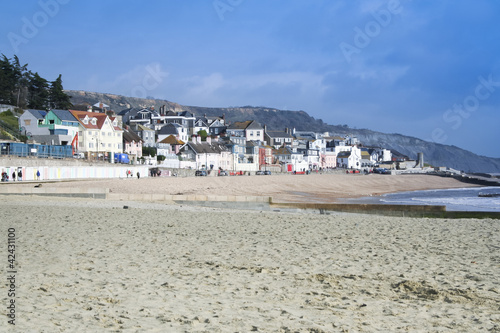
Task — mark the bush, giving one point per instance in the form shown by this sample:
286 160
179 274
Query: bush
160 158
149 151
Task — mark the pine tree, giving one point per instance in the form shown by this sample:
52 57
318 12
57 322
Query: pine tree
57 97
6 80
21 77
38 92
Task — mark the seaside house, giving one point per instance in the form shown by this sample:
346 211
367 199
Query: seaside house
350 159
183 118
132 144
250 129
146 134
138 116
177 130
171 143
216 125
290 159
55 127
328 160
207 155
201 124
98 134
277 139
30 123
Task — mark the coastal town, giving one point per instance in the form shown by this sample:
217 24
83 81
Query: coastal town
181 140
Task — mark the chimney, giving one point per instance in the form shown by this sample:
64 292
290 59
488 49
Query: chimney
209 140
89 108
198 139
265 128
287 130
193 138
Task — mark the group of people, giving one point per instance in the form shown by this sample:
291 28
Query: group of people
5 176
18 175
129 174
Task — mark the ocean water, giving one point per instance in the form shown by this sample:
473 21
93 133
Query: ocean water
462 199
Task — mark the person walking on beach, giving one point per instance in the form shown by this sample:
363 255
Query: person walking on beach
20 175
14 176
38 174
138 175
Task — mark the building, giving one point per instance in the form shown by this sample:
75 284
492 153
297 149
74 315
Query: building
207 155
146 134
278 139
250 129
30 121
98 134
177 130
132 144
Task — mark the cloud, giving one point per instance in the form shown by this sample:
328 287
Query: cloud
140 81
271 89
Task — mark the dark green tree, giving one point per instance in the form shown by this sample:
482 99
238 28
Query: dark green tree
203 135
38 92
13 81
6 80
21 77
58 99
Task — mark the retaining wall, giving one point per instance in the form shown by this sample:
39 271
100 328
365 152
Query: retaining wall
74 172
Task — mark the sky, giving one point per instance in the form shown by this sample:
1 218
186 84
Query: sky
424 68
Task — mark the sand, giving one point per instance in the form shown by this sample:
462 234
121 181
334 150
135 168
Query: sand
93 266
283 188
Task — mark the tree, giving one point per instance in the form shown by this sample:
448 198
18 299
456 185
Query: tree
38 92
13 81
21 79
58 99
6 80
203 135
149 151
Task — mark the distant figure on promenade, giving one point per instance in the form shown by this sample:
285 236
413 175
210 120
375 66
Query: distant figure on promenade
20 175
38 174
138 175
14 176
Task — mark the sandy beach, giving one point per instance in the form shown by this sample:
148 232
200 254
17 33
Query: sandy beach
93 266
116 266
282 188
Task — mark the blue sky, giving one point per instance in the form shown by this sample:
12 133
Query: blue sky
429 69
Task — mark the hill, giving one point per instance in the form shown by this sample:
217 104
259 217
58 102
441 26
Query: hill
434 153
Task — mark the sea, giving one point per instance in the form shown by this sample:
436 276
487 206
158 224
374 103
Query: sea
461 199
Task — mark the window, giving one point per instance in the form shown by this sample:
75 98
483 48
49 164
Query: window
27 122
258 133
51 121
